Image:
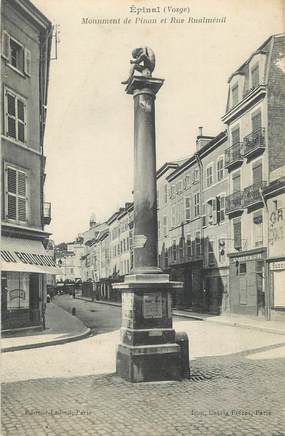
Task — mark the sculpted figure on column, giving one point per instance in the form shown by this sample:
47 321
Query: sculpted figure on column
143 61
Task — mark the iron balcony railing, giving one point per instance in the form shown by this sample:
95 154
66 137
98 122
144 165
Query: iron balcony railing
47 212
254 141
252 193
234 202
233 155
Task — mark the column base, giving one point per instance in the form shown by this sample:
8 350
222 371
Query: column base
149 363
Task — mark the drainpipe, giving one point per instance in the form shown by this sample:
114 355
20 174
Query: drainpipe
266 263
200 164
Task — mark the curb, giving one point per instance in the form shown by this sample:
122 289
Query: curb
198 318
74 338
110 303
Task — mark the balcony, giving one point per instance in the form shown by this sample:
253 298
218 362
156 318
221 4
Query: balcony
252 194
233 156
46 213
254 143
234 203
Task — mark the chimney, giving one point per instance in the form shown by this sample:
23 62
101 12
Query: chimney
202 139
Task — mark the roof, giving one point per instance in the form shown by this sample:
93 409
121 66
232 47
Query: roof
32 12
213 143
259 50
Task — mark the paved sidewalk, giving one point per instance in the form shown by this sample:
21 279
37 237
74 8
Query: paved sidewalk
61 327
277 327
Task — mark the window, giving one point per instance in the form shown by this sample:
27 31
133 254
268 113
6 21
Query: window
257 172
179 187
16 191
181 249
187 182
235 95
196 175
220 208
198 244
242 268
173 213
165 225
220 169
197 204
255 76
235 136
187 208
258 228
165 194
237 234
172 191
15 116
18 290
16 54
211 211
256 121
211 254
174 252
188 246
236 182
209 175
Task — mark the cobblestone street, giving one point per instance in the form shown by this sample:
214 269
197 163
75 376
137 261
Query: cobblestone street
225 396
235 388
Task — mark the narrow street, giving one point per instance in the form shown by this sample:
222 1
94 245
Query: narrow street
95 316
234 387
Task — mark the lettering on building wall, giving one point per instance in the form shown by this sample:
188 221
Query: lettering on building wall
276 228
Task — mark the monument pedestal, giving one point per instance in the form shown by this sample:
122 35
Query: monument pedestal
147 351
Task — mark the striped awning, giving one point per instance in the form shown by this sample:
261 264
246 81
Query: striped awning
25 255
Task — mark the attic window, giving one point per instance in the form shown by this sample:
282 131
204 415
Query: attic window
255 76
235 95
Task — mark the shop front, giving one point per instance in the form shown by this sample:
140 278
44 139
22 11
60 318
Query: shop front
247 283
25 265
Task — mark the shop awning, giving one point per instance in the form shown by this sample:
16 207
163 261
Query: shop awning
25 255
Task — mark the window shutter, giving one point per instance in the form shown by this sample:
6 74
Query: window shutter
5 45
214 209
21 184
12 181
218 209
28 61
12 208
22 209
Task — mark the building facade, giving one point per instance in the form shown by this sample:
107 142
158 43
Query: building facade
255 123
25 57
193 225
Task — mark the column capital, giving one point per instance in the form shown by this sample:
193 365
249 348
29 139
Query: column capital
140 83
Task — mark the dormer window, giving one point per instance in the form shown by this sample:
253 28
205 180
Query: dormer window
255 76
235 98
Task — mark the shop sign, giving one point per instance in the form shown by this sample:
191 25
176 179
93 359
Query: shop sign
17 294
152 305
248 257
277 265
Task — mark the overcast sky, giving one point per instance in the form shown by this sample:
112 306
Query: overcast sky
89 134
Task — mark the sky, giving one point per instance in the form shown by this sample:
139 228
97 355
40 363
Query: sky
89 130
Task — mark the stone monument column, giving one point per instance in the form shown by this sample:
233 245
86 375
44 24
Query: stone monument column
147 350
